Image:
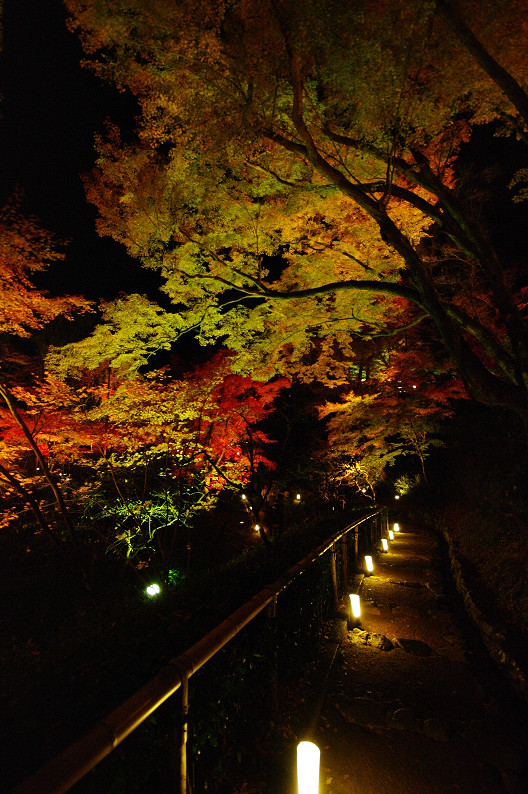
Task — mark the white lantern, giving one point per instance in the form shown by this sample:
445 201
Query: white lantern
308 760
369 564
385 544
355 605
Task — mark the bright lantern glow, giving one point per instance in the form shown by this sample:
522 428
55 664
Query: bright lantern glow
396 497
244 497
308 758
257 527
355 605
385 544
153 589
298 497
391 534
369 563
396 527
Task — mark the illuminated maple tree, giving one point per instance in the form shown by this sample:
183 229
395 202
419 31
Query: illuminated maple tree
25 249
295 171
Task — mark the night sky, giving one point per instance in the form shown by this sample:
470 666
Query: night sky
51 109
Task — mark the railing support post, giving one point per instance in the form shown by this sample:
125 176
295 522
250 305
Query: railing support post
183 733
274 682
344 552
334 575
356 545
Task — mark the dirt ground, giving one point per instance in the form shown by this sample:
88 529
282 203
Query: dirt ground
411 708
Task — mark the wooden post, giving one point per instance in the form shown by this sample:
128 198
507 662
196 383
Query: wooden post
334 575
183 733
274 676
356 545
344 552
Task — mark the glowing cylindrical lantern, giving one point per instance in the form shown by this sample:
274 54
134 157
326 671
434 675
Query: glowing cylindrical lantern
355 605
308 759
391 534
368 563
396 527
385 544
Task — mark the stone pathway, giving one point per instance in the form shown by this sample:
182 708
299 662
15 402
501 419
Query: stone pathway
407 711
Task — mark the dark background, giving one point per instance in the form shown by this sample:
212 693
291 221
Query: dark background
51 108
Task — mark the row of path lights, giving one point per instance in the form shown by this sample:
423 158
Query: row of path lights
308 753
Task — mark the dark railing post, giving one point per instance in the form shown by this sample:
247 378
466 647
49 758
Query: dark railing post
356 545
183 733
274 676
334 575
344 552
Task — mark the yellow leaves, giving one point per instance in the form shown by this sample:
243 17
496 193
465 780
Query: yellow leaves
132 329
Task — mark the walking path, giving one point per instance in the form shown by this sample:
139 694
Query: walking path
409 710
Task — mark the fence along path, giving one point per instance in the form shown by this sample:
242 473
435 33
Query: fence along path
67 768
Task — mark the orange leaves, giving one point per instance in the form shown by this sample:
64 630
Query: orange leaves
26 248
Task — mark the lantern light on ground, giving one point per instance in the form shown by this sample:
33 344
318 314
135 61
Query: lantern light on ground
298 497
385 544
396 527
355 605
308 760
257 527
153 590
244 497
368 563
397 496
391 534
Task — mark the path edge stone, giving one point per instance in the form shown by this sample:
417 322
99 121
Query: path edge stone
492 638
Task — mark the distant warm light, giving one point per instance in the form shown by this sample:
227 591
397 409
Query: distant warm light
369 564
385 544
414 386
396 527
363 490
153 589
391 534
244 497
397 496
257 527
308 760
355 605
298 497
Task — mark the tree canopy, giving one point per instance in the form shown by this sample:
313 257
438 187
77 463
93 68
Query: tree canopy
295 171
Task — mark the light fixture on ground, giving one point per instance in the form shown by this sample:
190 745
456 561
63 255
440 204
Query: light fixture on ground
391 534
153 590
384 544
396 527
355 610
308 761
369 565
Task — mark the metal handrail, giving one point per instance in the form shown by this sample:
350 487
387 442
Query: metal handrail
69 766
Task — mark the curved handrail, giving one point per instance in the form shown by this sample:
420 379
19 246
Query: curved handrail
69 766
